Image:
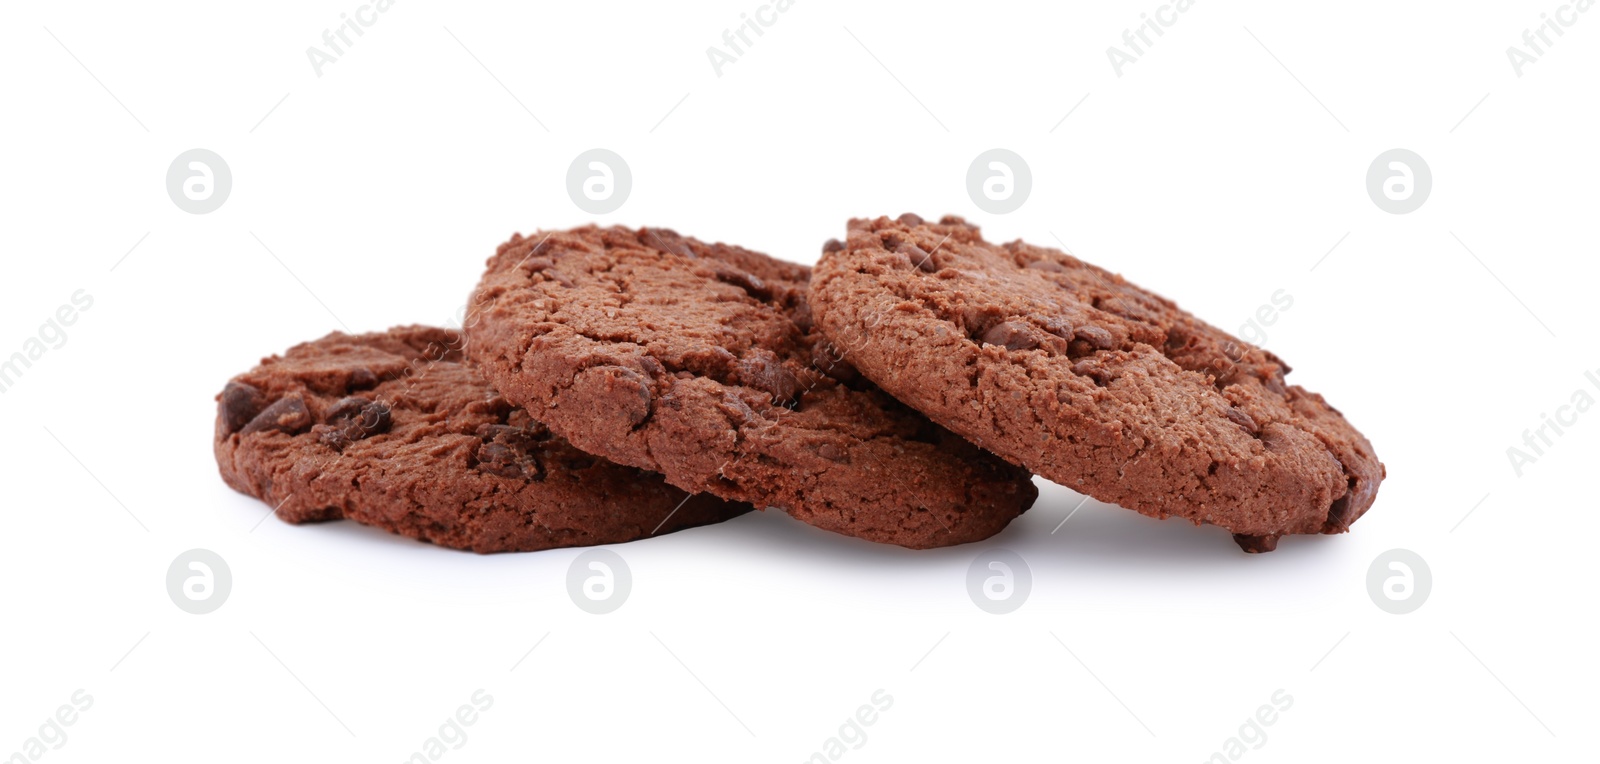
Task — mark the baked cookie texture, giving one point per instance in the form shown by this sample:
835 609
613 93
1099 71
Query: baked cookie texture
700 361
1090 381
394 430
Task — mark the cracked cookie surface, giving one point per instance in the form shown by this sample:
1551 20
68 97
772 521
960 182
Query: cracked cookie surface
1090 381
395 430
699 361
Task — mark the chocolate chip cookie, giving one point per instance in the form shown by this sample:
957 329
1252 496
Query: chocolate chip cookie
699 361
1090 381
394 430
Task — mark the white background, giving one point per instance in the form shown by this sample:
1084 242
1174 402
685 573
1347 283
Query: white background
1208 171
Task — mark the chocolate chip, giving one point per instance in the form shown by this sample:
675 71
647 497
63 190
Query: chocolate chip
1093 371
497 459
832 245
346 408
375 418
238 404
1129 305
800 313
288 415
334 436
1256 544
829 359
1243 420
352 419
1012 335
559 277
1178 339
1275 440
362 379
919 258
1055 325
910 219
1339 515
669 241
976 319
833 453
515 434
652 366
1098 338
752 285
1049 266
1275 384
510 452
631 391
1283 368
763 370
538 264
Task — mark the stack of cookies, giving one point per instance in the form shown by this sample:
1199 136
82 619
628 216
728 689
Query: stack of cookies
611 384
